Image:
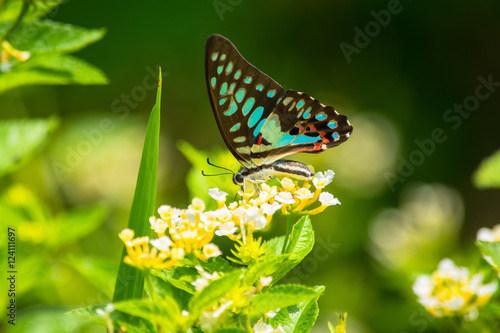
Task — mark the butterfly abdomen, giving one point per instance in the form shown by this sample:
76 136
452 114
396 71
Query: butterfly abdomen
279 169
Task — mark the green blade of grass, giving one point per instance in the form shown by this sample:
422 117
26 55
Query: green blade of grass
130 281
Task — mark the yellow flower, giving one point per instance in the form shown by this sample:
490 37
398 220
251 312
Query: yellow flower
144 257
451 291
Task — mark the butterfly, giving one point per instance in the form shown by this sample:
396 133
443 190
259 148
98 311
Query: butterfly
261 122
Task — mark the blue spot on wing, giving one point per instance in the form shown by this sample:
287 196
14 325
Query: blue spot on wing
259 126
332 124
232 109
255 116
320 116
235 127
248 105
223 88
240 94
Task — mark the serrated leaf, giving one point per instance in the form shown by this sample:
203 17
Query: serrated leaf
217 264
20 139
280 297
300 243
75 224
130 282
212 293
164 311
89 313
487 174
266 266
45 36
178 277
51 69
298 318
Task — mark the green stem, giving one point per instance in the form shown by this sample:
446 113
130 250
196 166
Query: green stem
289 226
19 18
149 285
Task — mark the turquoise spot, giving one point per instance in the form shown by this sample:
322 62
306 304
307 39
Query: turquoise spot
287 100
332 124
213 82
248 79
284 140
214 56
229 68
255 116
320 116
307 114
222 101
259 87
248 106
237 74
300 104
223 57
231 87
219 69
300 113
240 94
223 89
232 109
259 126
271 93
335 136
240 139
305 139
235 127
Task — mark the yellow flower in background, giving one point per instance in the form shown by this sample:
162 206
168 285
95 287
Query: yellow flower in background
452 291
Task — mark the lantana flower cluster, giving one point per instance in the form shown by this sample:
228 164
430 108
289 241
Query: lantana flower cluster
190 231
452 291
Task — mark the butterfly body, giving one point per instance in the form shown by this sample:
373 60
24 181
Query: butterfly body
260 121
280 169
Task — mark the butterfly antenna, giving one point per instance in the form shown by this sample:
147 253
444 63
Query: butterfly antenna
231 172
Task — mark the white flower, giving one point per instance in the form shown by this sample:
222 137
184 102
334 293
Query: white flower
207 321
225 229
287 184
489 235
163 243
211 250
265 280
220 196
262 327
200 283
271 314
328 199
270 209
255 215
158 225
197 205
279 329
164 209
303 193
285 197
322 179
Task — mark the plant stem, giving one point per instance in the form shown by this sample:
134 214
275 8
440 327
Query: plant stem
149 286
289 226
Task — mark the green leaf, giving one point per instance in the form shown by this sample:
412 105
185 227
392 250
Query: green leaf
130 282
300 243
282 296
212 293
217 264
49 37
491 251
49 320
51 69
266 266
164 311
11 9
89 313
72 225
487 174
298 318
20 139
179 277
229 330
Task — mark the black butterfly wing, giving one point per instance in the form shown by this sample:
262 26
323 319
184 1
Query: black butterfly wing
299 123
242 97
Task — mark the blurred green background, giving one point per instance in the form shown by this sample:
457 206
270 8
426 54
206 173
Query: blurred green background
397 87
